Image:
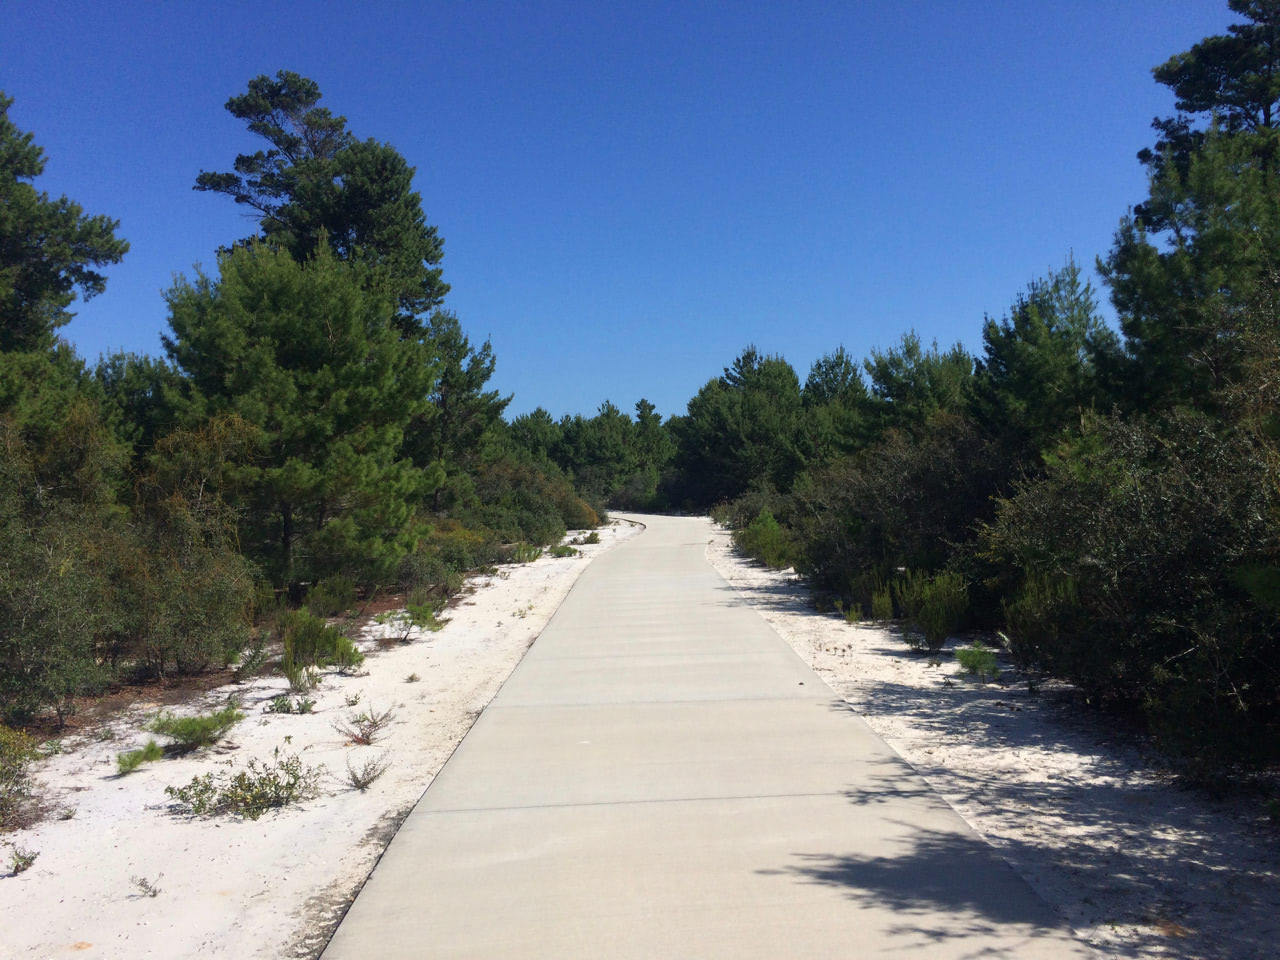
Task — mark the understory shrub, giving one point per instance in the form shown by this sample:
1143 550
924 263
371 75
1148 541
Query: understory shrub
765 539
17 751
1129 549
309 643
978 661
332 596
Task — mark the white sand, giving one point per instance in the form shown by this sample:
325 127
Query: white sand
1138 866
274 887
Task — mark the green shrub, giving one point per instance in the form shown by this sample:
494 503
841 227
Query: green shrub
309 642
978 661
1128 552
250 792
943 609
765 540
332 596
882 604
128 762
562 550
524 553
17 751
190 733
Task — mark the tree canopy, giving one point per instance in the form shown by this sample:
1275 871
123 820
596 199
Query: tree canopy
50 249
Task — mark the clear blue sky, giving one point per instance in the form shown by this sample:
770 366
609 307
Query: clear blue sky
631 193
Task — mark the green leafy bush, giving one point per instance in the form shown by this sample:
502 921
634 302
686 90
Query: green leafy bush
128 762
765 540
978 661
190 733
250 792
524 553
944 608
1128 549
309 642
17 751
562 550
332 596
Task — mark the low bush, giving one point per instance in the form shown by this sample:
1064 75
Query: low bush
332 596
524 553
365 773
978 661
251 792
943 610
126 763
310 643
191 733
17 751
562 550
766 540
366 727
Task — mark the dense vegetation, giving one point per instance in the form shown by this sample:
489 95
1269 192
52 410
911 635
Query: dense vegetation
1108 500
318 429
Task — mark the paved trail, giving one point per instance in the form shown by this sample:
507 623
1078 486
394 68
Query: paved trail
662 778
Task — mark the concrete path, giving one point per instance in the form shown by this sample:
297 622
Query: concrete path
662 777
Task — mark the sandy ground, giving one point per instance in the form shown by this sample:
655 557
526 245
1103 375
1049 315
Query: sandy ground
276 886
1137 866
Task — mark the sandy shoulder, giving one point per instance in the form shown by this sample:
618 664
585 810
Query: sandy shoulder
274 887
1137 866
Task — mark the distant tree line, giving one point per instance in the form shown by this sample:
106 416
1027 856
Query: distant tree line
319 425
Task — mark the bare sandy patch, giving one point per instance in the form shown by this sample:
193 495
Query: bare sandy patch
1138 866
274 887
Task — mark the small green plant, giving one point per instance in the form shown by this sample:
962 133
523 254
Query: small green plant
366 772
252 660
412 678
190 733
332 596
103 734
68 813
882 604
51 748
584 539
421 612
978 661
365 728
560 551
20 860
352 699
854 613
287 704
128 762
251 792
525 553
147 888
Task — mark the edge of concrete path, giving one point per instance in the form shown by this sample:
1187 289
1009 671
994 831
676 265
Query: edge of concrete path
399 819
1077 933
